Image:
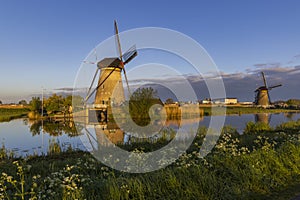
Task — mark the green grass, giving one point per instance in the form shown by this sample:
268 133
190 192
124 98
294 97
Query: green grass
7 114
259 165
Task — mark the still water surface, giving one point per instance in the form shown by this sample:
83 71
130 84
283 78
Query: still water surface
24 137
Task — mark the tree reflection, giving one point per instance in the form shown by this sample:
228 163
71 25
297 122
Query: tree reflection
54 128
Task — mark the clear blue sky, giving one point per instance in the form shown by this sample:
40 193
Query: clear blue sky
42 43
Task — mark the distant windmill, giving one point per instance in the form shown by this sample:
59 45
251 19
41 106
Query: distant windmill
262 96
110 87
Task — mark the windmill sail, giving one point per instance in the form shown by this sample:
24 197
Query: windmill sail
275 86
264 79
130 54
118 40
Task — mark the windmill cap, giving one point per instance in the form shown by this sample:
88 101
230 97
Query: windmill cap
261 88
109 62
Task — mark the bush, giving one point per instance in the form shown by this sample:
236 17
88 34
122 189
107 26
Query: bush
253 128
33 115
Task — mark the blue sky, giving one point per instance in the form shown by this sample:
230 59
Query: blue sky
42 43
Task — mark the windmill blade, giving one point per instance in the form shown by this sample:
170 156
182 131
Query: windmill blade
126 81
88 93
88 135
96 57
270 102
118 40
129 54
274 86
264 79
88 62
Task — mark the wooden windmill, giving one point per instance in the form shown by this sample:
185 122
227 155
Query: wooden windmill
109 89
262 96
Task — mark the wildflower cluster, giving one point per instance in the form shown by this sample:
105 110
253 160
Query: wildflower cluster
231 145
187 160
15 186
69 180
264 143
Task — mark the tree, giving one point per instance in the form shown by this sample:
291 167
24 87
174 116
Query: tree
142 94
293 102
54 103
23 102
140 103
0 102
169 101
77 103
35 104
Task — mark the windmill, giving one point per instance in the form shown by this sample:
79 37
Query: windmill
262 96
109 89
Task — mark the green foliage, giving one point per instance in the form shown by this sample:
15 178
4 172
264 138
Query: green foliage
140 103
270 169
54 103
58 103
241 110
169 101
253 128
0 102
34 115
293 102
77 103
54 147
23 102
54 129
35 104
7 114
144 94
288 127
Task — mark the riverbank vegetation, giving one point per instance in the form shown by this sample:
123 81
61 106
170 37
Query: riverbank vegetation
262 163
239 110
9 113
53 105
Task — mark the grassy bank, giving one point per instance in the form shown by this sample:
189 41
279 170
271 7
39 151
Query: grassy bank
7 114
231 110
260 164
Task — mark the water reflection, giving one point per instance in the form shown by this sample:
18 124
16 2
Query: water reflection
262 118
290 115
30 136
109 133
53 128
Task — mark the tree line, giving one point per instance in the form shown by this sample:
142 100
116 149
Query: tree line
53 104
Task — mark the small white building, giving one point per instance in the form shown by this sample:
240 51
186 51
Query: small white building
227 101
230 101
206 101
246 103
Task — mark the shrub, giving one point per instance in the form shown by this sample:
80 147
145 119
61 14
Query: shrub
253 128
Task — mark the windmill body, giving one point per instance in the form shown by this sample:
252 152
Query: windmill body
110 89
262 96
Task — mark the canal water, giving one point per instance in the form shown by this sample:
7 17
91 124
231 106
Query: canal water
25 137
